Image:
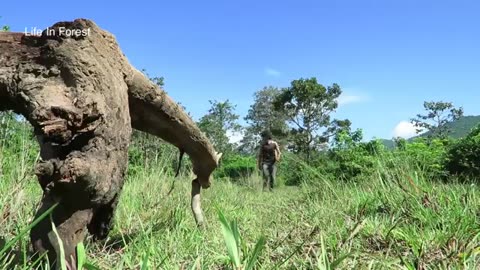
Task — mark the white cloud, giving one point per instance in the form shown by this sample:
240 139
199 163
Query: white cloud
272 72
234 137
405 130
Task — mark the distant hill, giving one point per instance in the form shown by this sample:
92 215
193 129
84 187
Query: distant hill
462 126
390 144
460 129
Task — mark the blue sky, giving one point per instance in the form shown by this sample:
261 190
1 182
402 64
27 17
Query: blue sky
388 56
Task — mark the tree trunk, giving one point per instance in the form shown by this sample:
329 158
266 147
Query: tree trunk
82 98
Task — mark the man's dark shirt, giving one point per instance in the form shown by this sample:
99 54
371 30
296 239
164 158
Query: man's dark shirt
268 153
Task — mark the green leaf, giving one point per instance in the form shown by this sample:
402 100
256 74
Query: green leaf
61 257
81 255
194 265
230 242
145 260
235 231
89 266
256 253
339 260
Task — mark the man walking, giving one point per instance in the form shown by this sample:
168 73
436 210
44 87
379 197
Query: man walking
268 155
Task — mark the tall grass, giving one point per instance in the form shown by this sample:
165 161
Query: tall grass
395 218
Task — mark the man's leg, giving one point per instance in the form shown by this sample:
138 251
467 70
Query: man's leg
265 174
273 172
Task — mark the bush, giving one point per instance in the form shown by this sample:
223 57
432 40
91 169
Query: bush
355 161
347 160
428 156
463 158
236 167
293 170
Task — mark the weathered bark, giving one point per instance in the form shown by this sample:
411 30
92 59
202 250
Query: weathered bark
154 112
82 97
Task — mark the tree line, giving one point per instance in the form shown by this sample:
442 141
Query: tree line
300 116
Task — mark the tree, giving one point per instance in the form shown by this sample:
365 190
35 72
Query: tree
262 116
436 120
343 136
308 106
218 123
400 143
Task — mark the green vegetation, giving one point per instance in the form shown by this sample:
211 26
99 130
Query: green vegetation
308 106
356 205
464 155
394 215
339 202
262 115
236 167
218 122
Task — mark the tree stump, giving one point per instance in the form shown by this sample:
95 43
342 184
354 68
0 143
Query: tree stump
82 97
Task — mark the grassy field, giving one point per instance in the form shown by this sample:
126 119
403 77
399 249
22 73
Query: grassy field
397 219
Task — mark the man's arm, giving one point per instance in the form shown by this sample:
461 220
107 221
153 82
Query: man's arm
277 151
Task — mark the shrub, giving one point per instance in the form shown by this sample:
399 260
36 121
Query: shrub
293 170
463 157
427 156
236 167
353 162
